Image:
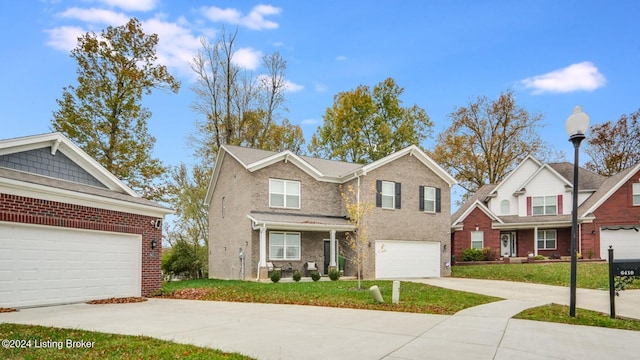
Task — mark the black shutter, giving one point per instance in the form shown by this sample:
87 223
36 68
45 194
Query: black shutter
397 195
438 204
378 193
421 202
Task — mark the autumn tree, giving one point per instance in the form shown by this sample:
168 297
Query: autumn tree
237 108
357 240
487 139
103 113
614 147
364 125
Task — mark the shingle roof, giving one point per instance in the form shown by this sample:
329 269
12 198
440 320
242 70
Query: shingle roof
606 186
480 195
586 179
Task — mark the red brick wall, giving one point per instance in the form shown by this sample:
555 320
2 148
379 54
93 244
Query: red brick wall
462 238
617 210
43 212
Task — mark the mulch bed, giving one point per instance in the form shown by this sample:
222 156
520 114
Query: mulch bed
6 310
124 300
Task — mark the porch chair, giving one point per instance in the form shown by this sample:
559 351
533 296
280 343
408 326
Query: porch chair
310 266
271 268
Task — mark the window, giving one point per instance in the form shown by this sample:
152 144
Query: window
546 239
429 199
284 246
636 194
284 194
544 205
505 207
387 194
477 239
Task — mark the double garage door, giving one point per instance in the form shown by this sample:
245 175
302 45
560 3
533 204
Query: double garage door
624 240
42 265
407 259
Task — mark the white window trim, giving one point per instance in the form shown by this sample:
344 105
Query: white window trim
431 188
544 204
481 241
284 250
284 194
393 195
635 189
505 207
544 239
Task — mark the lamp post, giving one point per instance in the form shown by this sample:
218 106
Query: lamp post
576 125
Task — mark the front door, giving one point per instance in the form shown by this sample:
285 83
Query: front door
327 256
508 246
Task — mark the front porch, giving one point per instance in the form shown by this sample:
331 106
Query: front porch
291 241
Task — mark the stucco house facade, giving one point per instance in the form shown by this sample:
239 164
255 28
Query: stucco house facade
70 231
278 208
529 212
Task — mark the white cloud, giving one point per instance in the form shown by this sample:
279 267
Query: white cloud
247 58
64 38
576 77
309 122
292 87
177 44
129 5
94 15
255 20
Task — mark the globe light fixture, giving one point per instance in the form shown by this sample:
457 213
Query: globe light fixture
576 126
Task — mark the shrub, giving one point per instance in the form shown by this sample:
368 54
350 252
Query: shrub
540 257
315 276
297 276
275 276
334 274
489 254
471 255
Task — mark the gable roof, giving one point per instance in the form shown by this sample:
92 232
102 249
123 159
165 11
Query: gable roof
467 207
587 179
320 169
609 186
115 195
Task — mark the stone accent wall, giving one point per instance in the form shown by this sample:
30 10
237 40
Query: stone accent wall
27 210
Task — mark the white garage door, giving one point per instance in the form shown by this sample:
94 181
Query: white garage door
625 242
41 265
407 259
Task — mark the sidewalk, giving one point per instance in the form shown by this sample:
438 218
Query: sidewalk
627 304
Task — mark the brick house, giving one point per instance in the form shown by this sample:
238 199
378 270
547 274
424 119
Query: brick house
70 231
529 212
286 210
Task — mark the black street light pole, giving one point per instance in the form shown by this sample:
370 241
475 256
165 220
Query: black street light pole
576 125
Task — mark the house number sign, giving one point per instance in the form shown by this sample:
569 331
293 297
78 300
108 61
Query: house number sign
626 267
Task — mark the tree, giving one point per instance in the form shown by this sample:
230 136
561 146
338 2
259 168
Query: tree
487 139
103 114
365 125
614 147
238 109
358 240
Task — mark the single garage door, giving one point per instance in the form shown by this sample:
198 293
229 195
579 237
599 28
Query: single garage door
42 265
625 242
407 259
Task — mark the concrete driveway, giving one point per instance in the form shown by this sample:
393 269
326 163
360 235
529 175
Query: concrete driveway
267 331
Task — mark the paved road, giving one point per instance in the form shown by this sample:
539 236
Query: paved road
268 331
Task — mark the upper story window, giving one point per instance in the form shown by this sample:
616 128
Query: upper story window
284 193
544 205
636 194
505 207
429 199
387 194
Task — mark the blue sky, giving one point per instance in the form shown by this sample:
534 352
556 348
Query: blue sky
552 54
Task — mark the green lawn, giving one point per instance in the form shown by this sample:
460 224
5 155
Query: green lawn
589 275
560 314
418 298
101 346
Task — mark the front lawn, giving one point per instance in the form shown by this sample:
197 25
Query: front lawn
416 298
589 275
560 314
40 342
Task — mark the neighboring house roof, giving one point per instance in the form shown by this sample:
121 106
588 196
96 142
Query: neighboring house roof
300 222
609 186
320 169
111 193
466 208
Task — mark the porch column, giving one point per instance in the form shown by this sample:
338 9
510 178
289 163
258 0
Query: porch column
263 247
535 241
332 249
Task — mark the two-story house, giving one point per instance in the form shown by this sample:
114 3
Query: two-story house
529 212
278 208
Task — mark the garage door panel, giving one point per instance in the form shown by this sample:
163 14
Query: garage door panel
49 265
625 243
407 259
